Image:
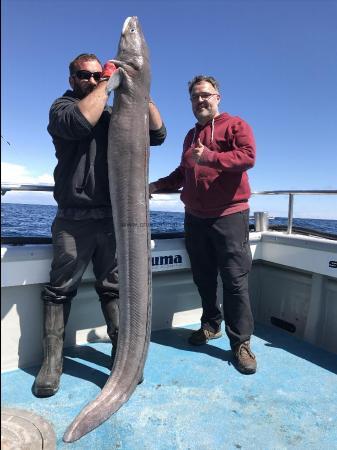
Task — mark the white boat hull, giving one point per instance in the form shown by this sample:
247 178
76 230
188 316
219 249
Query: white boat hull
294 281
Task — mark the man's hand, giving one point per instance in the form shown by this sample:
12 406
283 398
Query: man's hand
108 69
197 151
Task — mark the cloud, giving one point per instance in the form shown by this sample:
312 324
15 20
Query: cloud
166 202
17 174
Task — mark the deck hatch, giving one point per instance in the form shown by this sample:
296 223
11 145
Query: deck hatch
21 429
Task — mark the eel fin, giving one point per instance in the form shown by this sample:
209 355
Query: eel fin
114 81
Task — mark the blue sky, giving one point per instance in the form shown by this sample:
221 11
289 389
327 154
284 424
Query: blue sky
276 62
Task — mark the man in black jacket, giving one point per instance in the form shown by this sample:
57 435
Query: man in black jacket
83 228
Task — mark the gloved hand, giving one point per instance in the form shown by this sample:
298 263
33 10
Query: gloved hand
108 69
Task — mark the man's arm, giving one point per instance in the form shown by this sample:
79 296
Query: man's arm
155 120
156 125
240 158
94 103
172 182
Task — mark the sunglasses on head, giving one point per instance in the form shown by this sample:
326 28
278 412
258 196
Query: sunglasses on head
86 75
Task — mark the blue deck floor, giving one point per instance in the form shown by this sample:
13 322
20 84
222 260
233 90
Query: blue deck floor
193 398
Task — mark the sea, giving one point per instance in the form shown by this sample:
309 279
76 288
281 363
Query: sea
21 220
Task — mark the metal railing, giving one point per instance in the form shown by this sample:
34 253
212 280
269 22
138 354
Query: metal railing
291 193
26 187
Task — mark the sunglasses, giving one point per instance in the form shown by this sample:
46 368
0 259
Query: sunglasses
86 75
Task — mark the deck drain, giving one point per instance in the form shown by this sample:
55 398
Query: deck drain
24 430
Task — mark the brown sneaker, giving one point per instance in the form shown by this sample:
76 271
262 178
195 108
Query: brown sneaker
202 336
244 358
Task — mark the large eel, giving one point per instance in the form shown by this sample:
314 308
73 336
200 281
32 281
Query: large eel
128 153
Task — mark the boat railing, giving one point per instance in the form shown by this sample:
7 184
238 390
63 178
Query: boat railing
291 194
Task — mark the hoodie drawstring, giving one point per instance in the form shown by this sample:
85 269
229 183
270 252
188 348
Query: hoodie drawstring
212 133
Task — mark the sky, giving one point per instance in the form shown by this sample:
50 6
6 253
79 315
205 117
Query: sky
276 62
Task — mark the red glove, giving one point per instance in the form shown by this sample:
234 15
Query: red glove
108 69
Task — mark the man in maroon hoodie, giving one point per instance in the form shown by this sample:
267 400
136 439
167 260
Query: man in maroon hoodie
217 153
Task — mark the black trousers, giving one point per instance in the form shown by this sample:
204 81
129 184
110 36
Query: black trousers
222 245
75 244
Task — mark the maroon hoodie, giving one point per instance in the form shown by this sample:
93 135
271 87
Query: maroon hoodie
218 184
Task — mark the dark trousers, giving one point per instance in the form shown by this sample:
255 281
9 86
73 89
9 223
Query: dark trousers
222 245
75 244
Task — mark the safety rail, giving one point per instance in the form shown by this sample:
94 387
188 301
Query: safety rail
291 193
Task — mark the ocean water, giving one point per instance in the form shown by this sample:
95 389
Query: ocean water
35 221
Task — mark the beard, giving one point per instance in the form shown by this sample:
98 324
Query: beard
81 91
202 113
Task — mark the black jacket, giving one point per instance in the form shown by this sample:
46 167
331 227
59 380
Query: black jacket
81 174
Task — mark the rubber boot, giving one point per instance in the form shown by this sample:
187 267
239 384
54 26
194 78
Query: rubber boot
48 379
111 315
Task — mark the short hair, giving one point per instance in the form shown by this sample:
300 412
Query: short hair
82 57
200 78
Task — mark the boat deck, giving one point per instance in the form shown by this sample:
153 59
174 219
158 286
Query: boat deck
193 398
